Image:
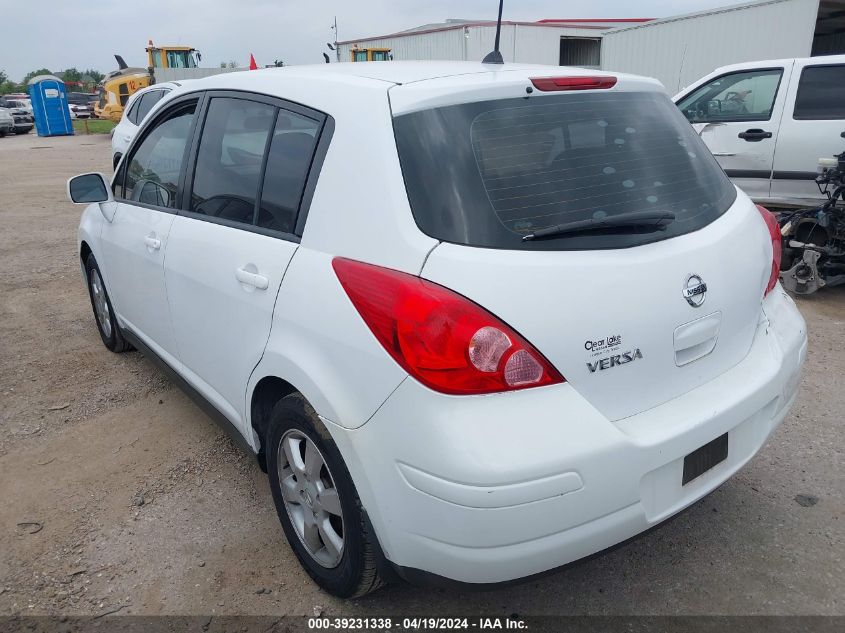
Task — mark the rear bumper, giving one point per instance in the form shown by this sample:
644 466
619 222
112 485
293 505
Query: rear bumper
494 488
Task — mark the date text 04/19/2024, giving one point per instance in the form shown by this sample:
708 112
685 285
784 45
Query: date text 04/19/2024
416 624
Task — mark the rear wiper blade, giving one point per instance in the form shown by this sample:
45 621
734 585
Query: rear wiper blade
639 219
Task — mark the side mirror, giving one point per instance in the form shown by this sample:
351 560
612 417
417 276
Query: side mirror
88 188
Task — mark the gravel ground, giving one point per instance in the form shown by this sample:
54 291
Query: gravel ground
118 495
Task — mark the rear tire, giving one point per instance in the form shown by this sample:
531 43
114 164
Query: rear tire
352 573
103 312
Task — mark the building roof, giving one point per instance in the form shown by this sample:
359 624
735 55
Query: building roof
452 24
697 14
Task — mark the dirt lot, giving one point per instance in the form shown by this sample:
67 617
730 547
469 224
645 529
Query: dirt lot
118 494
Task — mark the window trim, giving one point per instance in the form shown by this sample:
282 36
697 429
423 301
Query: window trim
323 142
798 87
324 121
198 99
779 69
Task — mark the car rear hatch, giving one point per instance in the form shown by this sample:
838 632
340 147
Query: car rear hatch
632 316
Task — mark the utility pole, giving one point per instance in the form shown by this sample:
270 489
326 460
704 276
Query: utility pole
336 49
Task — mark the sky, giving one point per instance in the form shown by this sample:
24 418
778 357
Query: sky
87 34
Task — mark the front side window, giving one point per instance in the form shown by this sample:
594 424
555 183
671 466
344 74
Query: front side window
231 153
513 166
741 96
152 175
821 93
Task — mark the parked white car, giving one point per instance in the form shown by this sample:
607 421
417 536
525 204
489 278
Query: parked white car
476 321
79 111
137 108
769 122
7 122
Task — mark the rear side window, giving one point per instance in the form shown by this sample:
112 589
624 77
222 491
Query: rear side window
132 113
821 93
146 103
230 158
488 173
152 175
288 162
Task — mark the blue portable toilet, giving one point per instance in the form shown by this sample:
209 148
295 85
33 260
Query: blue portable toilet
50 106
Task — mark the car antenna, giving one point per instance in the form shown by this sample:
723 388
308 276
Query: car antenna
494 56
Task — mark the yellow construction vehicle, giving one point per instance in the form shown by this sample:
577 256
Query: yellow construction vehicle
116 88
370 54
172 56
122 83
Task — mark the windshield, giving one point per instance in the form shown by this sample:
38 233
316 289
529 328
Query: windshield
180 59
488 173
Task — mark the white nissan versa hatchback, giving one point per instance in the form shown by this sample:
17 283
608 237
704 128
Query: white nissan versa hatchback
475 321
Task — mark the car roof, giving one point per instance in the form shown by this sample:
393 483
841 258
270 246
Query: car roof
819 60
330 87
400 72
762 64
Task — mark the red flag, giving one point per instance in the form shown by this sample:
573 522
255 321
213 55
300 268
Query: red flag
252 64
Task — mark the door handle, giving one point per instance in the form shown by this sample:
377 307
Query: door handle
724 154
754 135
252 279
153 243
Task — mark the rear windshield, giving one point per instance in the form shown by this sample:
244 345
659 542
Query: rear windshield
488 173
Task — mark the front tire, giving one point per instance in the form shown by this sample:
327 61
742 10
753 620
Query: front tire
103 311
317 503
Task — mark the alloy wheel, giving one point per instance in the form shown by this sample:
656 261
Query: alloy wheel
311 498
101 305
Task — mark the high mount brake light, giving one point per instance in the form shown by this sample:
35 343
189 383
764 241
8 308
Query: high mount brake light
777 246
552 84
439 337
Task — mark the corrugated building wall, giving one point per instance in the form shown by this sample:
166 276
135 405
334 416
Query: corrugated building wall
176 74
677 51
524 43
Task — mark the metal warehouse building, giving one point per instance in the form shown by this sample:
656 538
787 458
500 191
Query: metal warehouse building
679 50
556 42
676 50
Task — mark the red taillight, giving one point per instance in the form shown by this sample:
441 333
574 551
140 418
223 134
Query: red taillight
549 84
777 246
442 339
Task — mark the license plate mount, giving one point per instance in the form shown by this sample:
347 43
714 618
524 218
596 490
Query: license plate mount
703 459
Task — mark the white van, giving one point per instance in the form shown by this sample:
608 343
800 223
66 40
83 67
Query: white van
769 122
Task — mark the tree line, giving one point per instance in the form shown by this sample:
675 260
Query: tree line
88 78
